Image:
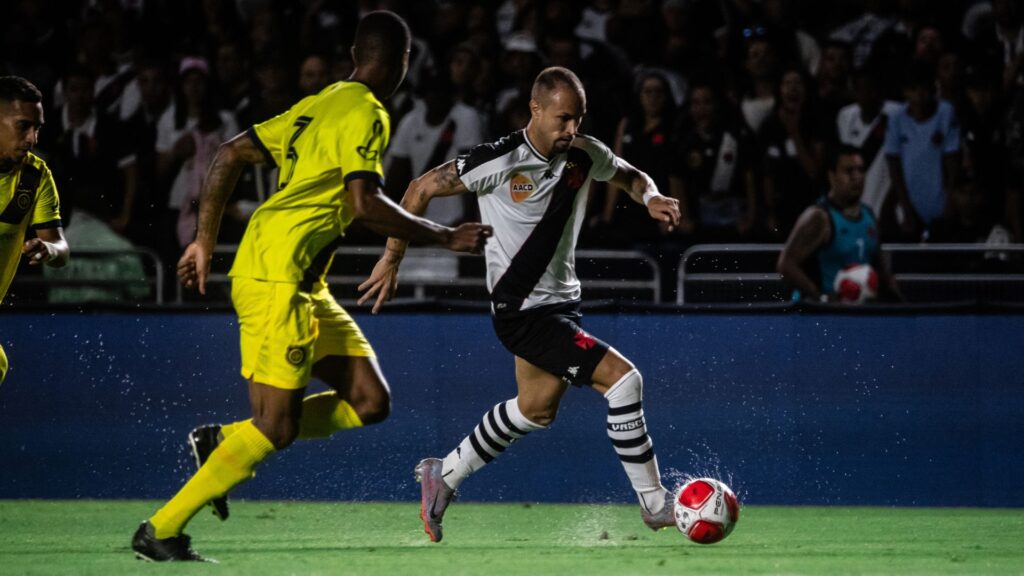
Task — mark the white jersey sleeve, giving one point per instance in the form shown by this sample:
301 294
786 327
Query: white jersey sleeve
486 166
605 161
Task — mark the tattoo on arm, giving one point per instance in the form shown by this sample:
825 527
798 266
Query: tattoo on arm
807 238
447 175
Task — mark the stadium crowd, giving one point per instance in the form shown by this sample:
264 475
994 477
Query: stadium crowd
728 104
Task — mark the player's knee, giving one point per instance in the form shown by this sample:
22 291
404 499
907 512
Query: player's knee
627 389
374 407
281 432
541 416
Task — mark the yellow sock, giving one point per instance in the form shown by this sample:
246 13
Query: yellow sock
231 463
324 414
229 429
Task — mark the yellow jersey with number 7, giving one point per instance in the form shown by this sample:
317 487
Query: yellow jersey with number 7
319 145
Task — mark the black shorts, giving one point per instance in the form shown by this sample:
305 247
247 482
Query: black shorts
551 338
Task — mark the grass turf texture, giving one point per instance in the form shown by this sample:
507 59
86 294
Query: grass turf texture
92 537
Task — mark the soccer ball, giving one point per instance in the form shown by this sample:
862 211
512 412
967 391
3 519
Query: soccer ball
706 510
856 283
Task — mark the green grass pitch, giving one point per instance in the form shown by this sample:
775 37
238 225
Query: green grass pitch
91 537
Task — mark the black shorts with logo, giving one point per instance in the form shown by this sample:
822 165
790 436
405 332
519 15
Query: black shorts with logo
551 337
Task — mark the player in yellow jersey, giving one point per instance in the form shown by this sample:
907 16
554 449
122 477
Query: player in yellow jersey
329 149
28 197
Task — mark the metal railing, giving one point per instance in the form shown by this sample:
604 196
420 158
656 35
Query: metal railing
152 277
448 270
765 279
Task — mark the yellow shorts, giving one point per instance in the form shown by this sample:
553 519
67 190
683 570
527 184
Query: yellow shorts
285 331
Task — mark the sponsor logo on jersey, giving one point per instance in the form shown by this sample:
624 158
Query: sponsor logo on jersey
370 150
521 187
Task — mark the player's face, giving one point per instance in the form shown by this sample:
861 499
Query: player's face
847 179
19 130
556 119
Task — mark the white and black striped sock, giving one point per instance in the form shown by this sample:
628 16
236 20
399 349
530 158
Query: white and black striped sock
499 428
628 432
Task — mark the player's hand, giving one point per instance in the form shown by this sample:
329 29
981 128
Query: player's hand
664 209
194 267
469 237
38 251
383 282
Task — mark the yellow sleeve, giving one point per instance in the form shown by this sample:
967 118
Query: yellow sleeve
361 152
46 213
269 137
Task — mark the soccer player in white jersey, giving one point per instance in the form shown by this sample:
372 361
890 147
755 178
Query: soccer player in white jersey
532 188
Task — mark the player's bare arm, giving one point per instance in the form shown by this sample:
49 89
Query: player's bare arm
890 290
383 216
642 190
441 181
48 247
809 234
231 158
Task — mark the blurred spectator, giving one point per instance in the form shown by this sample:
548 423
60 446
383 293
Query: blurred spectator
520 64
644 139
593 23
969 219
327 25
833 81
760 81
436 130
87 157
34 43
233 81
949 79
985 149
266 53
145 193
865 30
922 143
778 14
464 68
1009 32
188 134
713 176
96 54
862 125
314 74
928 46
793 143
608 78
274 93
637 28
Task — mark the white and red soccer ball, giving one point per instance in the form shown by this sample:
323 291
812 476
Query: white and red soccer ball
856 283
706 510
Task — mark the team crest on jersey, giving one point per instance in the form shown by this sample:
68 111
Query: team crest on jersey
573 175
521 187
296 355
